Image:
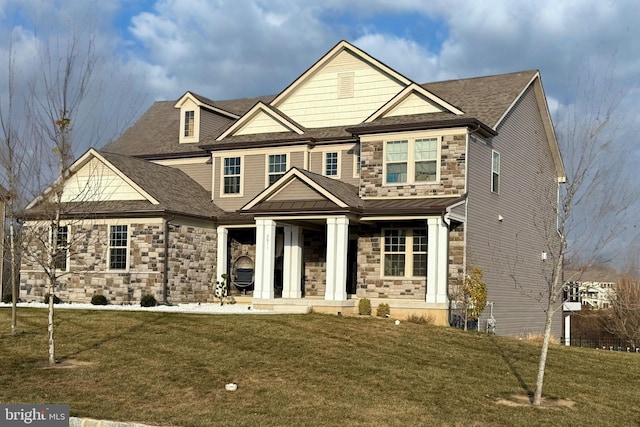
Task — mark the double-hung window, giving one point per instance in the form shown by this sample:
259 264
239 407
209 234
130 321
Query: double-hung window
232 170
411 161
331 164
189 123
277 166
495 172
118 248
62 248
405 252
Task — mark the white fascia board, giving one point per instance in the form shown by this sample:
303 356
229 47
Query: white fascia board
260 106
189 96
404 94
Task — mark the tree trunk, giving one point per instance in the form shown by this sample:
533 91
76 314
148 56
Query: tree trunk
14 284
52 353
537 397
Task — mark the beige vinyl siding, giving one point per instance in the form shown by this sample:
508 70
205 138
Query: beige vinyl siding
316 102
345 159
200 173
96 182
514 245
297 190
254 176
261 123
413 104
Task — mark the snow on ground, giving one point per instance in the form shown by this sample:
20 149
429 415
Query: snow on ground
177 308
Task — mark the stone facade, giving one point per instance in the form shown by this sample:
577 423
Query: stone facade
456 257
192 252
452 171
315 263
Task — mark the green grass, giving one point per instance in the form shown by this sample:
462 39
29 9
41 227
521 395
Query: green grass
170 369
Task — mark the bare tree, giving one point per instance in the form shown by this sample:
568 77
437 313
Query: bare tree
589 215
623 318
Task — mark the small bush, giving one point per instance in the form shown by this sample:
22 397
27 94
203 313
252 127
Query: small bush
7 299
148 301
364 307
420 319
99 300
383 310
56 300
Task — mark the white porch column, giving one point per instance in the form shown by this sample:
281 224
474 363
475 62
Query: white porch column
337 247
265 258
292 274
437 261
222 256
567 329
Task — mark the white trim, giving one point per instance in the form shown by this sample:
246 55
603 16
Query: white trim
493 153
338 163
222 255
189 96
183 161
268 110
404 94
357 161
273 189
222 176
268 174
109 247
408 252
336 50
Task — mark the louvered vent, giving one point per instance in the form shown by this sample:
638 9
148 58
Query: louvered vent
345 85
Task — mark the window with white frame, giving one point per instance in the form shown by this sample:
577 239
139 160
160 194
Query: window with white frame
405 252
118 248
189 123
62 248
495 172
412 160
277 166
331 164
231 178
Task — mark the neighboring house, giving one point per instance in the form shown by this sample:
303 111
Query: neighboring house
353 182
594 286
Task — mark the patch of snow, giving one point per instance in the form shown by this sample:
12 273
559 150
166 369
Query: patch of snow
215 308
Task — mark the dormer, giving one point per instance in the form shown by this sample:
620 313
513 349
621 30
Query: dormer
191 106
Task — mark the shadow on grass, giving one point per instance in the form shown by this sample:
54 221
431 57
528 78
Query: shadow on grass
137 328
505 357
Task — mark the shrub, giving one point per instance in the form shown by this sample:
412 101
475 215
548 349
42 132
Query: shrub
383 310
148 301
364 307
7 299
420 319
56 300
99 300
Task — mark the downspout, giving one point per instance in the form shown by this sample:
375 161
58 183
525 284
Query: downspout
165 275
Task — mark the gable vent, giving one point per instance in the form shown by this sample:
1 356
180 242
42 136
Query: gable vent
345 85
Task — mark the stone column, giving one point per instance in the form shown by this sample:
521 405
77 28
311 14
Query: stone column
337 247
437 261
265 258
292 263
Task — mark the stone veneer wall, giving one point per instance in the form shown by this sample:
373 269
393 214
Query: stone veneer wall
371 284
452 171
88 267
315 263
456 257
192 263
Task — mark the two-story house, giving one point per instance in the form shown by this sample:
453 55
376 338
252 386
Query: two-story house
353 182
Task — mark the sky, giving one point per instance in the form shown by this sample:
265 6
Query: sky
157 50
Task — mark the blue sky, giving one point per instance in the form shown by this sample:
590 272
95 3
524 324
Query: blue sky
158 49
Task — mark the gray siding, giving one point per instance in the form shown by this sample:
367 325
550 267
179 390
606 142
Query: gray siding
211 123
509 251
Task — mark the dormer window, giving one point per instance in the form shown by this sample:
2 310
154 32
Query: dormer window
189 123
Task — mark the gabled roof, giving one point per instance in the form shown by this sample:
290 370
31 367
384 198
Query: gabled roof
335 194
203 102
276 116
165 190
336 50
